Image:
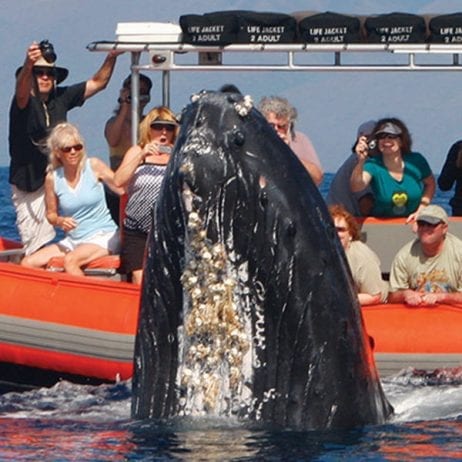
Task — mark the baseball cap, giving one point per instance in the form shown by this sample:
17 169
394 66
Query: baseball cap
433 214
390 129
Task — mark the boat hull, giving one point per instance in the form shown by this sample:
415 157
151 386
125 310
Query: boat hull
425 338
54 326
75 326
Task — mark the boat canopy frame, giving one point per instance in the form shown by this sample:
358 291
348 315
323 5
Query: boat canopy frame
165 56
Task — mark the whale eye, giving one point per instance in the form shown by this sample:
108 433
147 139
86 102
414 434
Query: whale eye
263 198
233 97
291 229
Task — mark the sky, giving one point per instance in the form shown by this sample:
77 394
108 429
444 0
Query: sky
331 105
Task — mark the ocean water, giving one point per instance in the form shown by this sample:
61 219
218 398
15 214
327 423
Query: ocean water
71 422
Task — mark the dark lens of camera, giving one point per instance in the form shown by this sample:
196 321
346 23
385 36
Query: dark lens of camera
48 51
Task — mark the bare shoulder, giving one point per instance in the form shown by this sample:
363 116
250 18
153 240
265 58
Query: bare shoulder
49 177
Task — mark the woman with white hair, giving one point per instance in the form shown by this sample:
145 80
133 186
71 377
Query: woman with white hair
281 115
75 202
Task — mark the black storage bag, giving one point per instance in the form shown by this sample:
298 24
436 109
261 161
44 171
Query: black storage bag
329 27
446 29
396 28
217 29
255 27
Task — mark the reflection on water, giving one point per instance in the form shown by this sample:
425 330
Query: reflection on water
50 439
75 422
28 439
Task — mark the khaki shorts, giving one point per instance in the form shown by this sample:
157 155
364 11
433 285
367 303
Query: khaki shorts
33 227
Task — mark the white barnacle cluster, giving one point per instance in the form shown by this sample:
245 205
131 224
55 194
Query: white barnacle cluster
216 337
244 106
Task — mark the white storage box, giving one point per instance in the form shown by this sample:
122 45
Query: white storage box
154 32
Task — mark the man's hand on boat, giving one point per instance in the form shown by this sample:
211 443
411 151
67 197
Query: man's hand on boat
414 298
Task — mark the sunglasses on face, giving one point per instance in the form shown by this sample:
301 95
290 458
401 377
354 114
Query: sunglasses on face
75 147
421 223
280 127
159 127
143 98
341 229
382 136
44 72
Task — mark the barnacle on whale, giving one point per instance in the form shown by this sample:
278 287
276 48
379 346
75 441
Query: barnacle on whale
214 326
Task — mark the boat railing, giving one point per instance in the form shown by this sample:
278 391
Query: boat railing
175 56
338 57
11 255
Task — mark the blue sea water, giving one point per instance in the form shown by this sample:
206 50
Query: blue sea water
75 423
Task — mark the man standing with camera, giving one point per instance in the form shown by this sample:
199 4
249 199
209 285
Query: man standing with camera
38 105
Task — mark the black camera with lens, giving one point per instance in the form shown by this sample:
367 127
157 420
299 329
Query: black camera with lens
48 52
372 144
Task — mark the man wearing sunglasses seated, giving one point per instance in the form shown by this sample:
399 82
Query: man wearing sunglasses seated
428 270
39 103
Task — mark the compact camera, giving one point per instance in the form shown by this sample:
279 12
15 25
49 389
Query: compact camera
372 144
48 52
165 149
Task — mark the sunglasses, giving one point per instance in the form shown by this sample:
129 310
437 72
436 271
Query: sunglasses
75 147
341 229
44 72
422 223
159 127
382 136
282 127
143 98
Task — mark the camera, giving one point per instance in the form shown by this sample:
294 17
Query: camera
165 149
372 144
48 52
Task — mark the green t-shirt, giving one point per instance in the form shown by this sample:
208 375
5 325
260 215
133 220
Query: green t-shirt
395 198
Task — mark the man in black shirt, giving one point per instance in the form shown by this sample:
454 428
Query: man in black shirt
39 104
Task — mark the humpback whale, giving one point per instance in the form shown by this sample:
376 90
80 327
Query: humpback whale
248 308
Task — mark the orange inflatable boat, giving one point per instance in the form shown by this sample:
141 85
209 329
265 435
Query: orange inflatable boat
55 326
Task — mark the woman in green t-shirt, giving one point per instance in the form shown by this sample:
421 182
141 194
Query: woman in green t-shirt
401 180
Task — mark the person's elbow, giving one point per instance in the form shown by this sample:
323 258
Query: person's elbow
317 177
356 186
119 190
119 182
316 174
93 86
